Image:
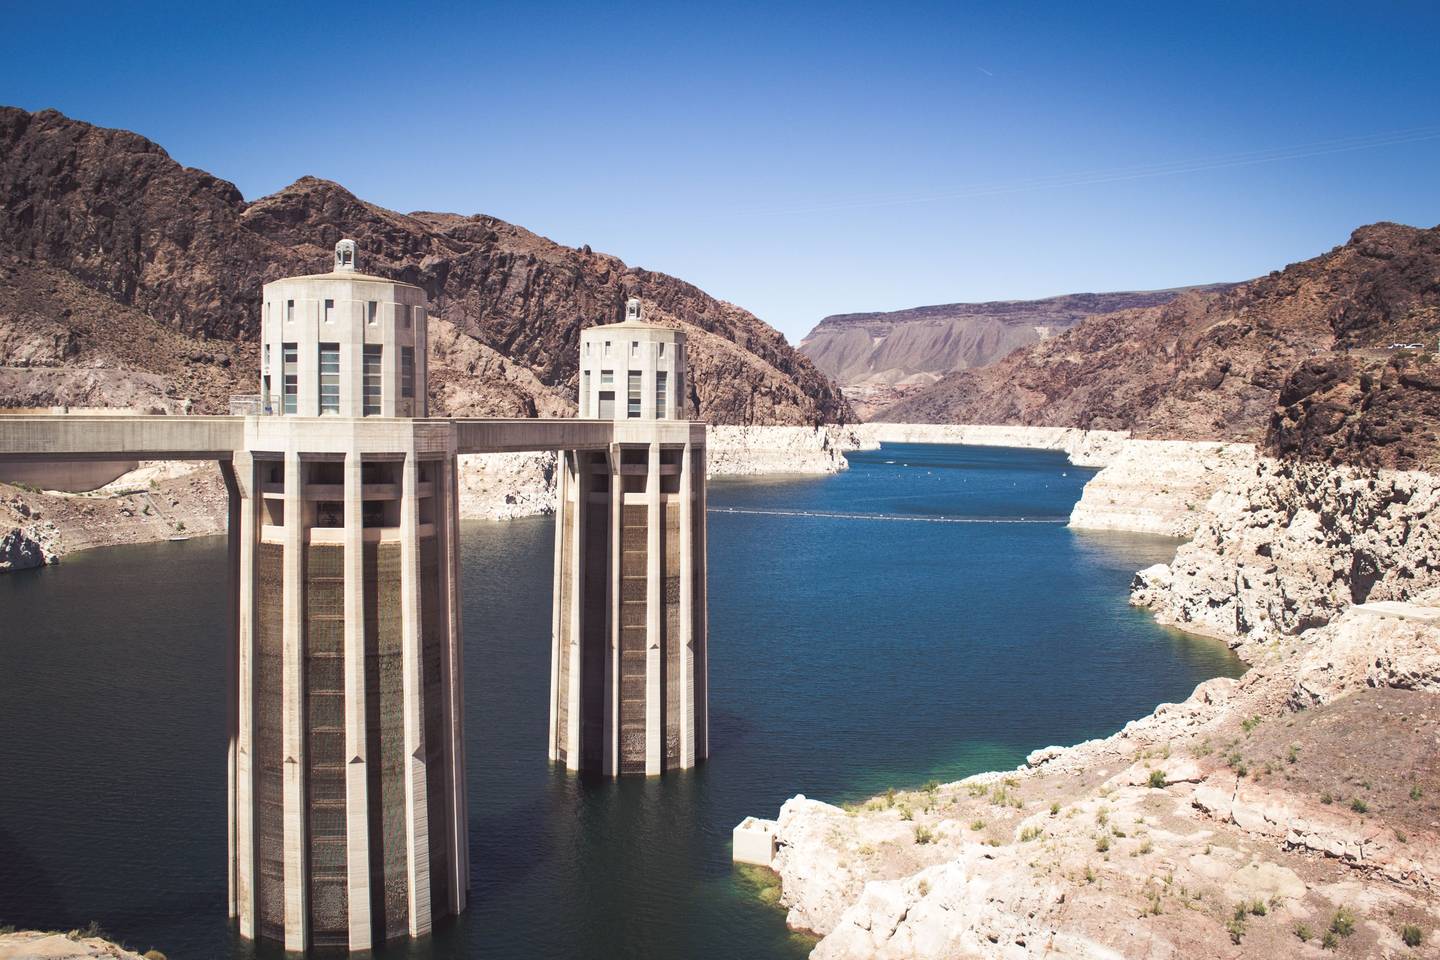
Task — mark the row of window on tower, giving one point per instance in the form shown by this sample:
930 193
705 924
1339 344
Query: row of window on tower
329 366
634 392
403 313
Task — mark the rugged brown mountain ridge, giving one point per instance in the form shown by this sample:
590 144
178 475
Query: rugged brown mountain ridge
126 278
1297 356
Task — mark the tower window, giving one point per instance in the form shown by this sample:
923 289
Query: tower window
661 378
634 348
374 355
584 392
372 313
607 348
661 346
407 371
291 359
329 378
289 311
607 378
329 311
607 405
633 394
402 312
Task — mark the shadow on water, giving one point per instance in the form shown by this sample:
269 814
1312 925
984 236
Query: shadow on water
847 656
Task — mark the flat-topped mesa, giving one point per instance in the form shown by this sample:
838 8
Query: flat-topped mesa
629 677
343 344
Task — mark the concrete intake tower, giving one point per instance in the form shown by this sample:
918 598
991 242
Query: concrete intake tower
349 787
629 671
346 763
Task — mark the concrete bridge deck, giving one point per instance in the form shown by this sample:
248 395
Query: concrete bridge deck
60 437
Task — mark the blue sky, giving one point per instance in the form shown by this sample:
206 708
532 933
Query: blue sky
799 160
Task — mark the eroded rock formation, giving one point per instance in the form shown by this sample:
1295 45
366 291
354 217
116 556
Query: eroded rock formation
129 280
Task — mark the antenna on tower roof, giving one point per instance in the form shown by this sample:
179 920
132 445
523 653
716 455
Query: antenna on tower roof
345 256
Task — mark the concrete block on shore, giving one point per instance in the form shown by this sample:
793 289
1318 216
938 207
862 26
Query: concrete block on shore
754 841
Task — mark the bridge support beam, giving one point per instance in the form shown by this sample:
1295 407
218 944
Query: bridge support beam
628 665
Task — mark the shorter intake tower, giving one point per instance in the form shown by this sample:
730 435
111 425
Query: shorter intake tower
629 673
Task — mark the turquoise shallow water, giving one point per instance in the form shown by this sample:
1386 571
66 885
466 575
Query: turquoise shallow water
849 653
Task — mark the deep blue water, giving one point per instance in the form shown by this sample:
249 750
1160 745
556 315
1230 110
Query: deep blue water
847 655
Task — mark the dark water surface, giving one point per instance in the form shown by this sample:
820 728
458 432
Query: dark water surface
847 655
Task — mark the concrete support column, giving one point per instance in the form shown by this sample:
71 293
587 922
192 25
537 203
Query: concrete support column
557 610
613 607
699 554
246 534
357 796
654 658
292 718
578 490
232 674
686 639
452 670
417 823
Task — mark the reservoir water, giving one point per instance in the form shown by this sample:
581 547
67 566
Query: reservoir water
856 644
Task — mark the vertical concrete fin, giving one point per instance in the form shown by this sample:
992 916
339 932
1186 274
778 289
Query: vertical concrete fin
244 801
293 711
686 639
357 784
654 656
417 823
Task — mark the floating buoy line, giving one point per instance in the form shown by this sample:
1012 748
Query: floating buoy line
915 518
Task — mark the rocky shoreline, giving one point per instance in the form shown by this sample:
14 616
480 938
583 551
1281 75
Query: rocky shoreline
1292 812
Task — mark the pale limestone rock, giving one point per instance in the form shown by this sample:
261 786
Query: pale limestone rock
1159 486
735 451
504 486
37 945
1286 547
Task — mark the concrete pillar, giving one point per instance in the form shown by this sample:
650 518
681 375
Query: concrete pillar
699 555
417 824
611 763
612 610
654 655
243 467
232 674
686 639
455 685
577 489
357 796
292 718
558 611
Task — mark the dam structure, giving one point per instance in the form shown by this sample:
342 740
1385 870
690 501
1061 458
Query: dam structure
629 672
346 760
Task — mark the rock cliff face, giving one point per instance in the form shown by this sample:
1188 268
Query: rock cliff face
1214 365
19 552
1159 486
1284 547
127 278
878 355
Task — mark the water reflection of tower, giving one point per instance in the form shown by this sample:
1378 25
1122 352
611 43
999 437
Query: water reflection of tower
629 676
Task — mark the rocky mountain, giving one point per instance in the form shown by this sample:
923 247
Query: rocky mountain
1302 356
878 357
127 279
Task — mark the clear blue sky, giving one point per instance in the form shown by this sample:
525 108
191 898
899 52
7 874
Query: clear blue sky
799 160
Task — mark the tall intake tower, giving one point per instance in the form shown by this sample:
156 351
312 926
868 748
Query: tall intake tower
629 676
348 788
